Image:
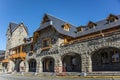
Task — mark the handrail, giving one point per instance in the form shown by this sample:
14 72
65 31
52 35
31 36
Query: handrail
91 37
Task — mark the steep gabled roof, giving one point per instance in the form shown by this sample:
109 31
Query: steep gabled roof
100 25
13 26
57 24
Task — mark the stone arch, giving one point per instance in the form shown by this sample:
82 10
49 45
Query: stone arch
71 62
22 66
92 49
106 59
4 66
32 65
48 63
17 62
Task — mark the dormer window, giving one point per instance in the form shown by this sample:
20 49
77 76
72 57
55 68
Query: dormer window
80 29
66 27
91 25
112 18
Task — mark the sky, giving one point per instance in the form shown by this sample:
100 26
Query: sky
31 12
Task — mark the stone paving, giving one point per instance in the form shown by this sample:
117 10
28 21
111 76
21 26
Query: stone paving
13 77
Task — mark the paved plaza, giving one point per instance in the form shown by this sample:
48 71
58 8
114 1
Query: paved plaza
15 77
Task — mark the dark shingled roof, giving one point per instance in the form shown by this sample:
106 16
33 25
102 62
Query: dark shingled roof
13 26
100 25
57 24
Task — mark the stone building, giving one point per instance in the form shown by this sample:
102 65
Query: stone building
61 47
14 47
58 46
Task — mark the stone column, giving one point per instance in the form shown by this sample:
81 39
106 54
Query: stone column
39 66
58 66
83 63
10 66
26 66
88 63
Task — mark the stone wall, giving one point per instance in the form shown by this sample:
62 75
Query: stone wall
56 40
17 37
84 48
88 47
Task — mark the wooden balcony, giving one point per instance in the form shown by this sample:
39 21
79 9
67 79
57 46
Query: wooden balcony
5 61
18 55
100 34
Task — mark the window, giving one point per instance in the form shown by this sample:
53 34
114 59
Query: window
46 42
115 57
20 30
91 25
66 27
111 18
65 40
80 29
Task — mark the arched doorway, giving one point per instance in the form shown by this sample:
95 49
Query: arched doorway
5 65
106 59
17 65
22 66
48 64
32 65
71 62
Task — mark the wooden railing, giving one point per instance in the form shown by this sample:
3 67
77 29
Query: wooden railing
18 55
5 60
103 34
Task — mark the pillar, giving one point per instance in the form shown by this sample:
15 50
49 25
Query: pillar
26 66
83 63
10 66
86 62
58 66
39 66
